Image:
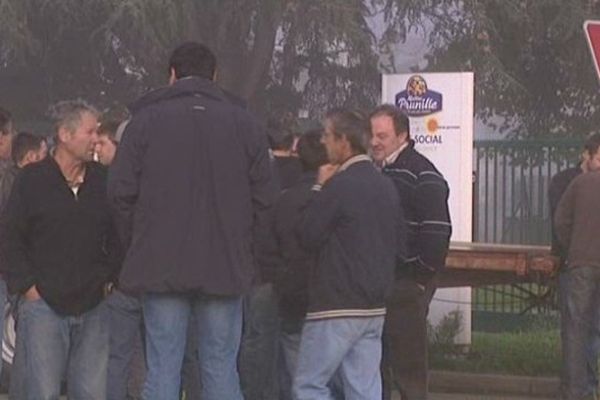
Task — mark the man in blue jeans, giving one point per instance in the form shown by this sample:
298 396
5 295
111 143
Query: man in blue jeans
189 182
61 249
354 226
576 226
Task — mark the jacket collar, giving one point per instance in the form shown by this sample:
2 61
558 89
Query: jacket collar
189 86
404 154
354 160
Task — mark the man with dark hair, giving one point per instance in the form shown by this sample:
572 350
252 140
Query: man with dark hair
287 166
579 331
61 250
26 149
6 178
189 182
259 349
106 146
355 228
423 196
282 254
7 132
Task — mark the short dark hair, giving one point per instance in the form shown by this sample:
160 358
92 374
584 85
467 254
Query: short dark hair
311 151
592 143
351 124
399 118
24 142
193 59
5 121
109 128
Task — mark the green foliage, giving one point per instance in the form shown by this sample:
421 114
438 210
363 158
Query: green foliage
443 335
531 60
533 353
532 65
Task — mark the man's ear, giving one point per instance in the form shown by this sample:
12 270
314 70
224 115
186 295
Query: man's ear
172 76
215 75
63 134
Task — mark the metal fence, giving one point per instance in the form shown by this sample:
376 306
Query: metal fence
511 206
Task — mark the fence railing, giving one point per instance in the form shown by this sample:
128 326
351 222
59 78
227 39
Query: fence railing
510 201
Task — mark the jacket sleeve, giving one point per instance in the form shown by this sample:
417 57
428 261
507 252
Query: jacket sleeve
319 216
268 254
124 177
434 227
564 216
14 230
262 183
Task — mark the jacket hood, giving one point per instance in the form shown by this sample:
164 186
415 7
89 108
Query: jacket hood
188 86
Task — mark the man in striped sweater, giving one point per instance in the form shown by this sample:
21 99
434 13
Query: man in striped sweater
423 193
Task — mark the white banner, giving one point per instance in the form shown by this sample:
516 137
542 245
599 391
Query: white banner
440 109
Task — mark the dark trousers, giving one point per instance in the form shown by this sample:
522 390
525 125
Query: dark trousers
404 361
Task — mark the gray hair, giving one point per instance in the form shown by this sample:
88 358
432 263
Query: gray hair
68 113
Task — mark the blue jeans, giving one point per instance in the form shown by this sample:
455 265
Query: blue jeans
18 370
219 326
348 347
57 345
126 361
259 348
3 301
288 360
579 294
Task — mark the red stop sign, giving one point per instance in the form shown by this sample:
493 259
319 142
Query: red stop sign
592 33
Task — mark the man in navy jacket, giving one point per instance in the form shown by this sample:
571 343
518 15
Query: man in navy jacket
190 179
354 225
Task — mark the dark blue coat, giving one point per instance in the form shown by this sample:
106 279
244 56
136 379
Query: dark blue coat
190 179
355 225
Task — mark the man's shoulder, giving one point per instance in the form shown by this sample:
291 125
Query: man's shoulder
566 175
587 178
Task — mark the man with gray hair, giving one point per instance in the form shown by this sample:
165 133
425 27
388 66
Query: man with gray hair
60 250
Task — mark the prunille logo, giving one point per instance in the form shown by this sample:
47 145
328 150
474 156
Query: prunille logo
417 100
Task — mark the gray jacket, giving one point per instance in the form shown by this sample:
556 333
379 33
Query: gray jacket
577 221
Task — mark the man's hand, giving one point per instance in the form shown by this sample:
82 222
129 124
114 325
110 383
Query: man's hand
326 172
32 294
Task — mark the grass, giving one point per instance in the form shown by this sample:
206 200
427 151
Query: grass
532 353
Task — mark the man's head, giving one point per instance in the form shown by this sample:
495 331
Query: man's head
311 151
28 148
192 59
76 128
345 135
106 146
591 155
6 134
389 131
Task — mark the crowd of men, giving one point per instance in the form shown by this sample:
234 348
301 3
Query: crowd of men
214 261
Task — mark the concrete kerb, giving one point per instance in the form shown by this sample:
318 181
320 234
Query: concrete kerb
458 382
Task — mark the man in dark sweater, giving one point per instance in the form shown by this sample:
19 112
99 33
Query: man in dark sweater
355 227
576 227
423 196
26 149
60 250
282 254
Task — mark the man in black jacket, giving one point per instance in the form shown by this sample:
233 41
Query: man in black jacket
190 179
354 225
289 262
423 196
61 249
579 374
